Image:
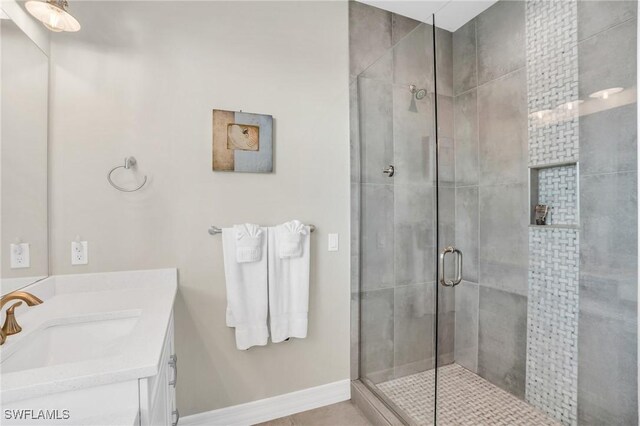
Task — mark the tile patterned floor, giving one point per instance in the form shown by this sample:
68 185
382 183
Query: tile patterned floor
464 399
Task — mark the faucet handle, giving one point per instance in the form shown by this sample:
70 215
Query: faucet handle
13 307
11 326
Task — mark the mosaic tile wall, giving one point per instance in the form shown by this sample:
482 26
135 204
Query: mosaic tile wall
558 189
552 80
552 325
552 314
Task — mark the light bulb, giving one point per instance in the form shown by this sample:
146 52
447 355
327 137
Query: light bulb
54 19
54 23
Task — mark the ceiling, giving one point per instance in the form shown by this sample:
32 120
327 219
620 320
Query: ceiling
450 14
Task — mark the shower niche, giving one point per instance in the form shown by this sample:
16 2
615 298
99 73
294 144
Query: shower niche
555 186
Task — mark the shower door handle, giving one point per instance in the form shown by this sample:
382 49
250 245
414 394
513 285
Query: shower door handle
451 283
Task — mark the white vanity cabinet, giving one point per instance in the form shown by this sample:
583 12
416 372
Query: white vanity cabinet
158 393
149 401
98 351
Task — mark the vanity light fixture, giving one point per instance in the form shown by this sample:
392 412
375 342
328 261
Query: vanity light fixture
604 94
53 14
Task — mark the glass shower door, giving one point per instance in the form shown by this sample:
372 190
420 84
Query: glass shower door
398 194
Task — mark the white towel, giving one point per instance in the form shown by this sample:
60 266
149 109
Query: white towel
289 258
290 239
247 300
248 242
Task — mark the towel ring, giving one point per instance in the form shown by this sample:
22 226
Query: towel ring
129 162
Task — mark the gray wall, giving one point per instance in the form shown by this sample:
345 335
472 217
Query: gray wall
490 122
607 348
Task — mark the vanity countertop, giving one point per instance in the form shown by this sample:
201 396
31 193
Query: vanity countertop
146 296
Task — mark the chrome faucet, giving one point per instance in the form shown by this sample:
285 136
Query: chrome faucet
11 326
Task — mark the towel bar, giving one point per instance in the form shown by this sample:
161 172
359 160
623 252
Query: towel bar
214 230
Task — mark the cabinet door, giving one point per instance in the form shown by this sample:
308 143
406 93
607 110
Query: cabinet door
157 393
159 414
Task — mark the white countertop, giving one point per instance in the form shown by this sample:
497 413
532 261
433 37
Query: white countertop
86 297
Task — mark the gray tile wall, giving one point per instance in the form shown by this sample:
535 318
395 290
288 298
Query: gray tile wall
466 323
487 156
370 38
604 393
393 220
491 201
502 339
607 337
500 40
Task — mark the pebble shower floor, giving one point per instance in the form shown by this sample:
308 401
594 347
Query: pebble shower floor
464 398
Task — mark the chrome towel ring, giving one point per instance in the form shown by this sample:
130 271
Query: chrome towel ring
129 162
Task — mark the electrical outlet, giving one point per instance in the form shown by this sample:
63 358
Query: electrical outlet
79 252
20 257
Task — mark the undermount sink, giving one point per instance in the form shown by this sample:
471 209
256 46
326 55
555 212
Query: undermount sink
68 342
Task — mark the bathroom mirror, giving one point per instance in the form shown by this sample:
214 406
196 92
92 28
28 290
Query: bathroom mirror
23 158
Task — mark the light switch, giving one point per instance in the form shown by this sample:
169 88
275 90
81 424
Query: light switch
20 257
79 252
333 242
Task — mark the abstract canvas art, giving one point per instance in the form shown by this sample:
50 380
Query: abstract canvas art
242 142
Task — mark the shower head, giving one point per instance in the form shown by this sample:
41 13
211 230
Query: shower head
418 93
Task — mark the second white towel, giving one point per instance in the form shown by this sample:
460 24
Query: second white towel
288 280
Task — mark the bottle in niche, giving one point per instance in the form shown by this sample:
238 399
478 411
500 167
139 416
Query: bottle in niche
541 214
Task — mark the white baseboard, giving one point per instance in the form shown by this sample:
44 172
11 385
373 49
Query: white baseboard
273 408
